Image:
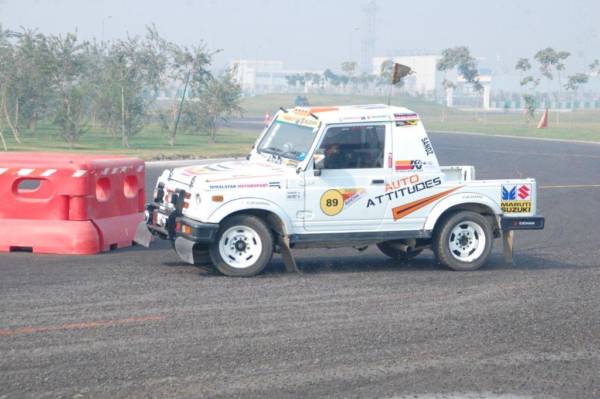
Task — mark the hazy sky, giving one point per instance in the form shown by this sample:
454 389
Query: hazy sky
322 33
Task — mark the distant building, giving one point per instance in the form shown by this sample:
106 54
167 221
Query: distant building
262 76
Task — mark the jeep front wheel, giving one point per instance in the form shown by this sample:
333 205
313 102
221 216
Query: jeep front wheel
243 246
463 241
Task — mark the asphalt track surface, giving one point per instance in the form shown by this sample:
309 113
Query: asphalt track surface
140 323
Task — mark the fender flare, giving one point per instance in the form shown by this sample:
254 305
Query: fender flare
462 198
251 204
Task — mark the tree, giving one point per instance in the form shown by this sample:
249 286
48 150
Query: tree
551 61
459 58
68 72
313 79
594 68
349 67
523 65
530 107
32 95
215 102
188 67
136 68
332 78
295 79
576 80
8 84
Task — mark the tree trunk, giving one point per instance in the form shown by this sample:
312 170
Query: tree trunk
2 136
94 118
33 123
14 130
125 139
17 112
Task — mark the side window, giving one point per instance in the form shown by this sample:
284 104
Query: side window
354 147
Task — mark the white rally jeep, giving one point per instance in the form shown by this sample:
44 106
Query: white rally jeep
331 177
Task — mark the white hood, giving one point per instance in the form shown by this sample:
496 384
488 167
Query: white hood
228 173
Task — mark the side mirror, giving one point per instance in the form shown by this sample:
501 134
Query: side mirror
318 164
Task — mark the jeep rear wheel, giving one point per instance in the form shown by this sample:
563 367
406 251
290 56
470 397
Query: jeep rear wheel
243 246
463 241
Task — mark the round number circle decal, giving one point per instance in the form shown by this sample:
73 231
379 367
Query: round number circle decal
332 202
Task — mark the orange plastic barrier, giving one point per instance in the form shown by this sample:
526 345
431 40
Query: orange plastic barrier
69 204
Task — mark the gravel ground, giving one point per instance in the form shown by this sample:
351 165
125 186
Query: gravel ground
140 323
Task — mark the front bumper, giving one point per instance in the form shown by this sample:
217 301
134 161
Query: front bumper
509 223
168 224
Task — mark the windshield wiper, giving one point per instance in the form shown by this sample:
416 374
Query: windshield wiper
270 150
291 154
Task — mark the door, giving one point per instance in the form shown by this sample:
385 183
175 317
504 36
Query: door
354 171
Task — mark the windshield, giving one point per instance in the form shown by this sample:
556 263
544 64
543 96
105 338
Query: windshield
288 140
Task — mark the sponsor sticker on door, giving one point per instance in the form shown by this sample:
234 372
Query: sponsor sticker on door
333 201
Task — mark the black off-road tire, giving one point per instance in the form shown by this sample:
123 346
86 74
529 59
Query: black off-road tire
441 237
395 253
263 259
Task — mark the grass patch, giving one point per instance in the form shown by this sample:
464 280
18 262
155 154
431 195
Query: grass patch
257 106
576 125
149 144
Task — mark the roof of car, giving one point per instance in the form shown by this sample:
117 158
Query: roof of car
354 113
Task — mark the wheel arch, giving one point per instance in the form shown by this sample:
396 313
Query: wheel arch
268 211
464 202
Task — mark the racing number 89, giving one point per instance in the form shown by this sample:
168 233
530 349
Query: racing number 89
332 202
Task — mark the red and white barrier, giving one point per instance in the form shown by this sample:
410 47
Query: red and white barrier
69 204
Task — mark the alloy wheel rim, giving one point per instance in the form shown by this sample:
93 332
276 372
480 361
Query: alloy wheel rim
240 247
467 241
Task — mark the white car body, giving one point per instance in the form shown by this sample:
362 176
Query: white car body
402 198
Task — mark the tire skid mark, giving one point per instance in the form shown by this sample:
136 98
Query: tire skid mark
9 332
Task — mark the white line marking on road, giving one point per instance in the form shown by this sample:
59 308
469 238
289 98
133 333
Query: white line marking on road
79 173
513 152
506 136
571 186
2 170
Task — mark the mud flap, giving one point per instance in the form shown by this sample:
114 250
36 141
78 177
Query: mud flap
185 249
287 256
143 236
507 240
